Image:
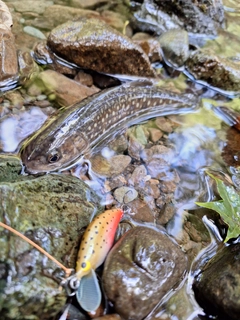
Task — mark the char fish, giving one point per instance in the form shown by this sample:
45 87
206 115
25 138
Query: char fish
81 128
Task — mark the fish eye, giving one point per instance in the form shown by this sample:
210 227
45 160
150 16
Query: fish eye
53 157
86 266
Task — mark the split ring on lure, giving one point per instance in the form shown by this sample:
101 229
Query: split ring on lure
95 245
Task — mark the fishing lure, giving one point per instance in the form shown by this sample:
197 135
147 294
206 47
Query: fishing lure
95 245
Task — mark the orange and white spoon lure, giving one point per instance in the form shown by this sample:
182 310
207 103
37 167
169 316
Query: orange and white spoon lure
95 245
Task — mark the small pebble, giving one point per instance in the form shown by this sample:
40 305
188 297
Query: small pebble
125 194
34 32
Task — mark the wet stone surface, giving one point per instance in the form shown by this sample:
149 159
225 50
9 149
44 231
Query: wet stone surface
200 17
141 268
62 90
92 44
218 284
176 52
50 210
217 71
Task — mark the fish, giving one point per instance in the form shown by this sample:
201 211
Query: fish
96 242
79 130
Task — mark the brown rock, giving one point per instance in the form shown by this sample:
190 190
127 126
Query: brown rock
90 43
58 14
163 124
8 55
155 134
141 211
64 90
138 176
125 194
217 71
140 269
109 167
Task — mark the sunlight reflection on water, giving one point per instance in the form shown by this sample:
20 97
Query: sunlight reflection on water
15 128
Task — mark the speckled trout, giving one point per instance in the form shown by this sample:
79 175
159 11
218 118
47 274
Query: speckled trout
81 128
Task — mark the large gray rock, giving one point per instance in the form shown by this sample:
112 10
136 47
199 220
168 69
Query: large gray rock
50 210
140 269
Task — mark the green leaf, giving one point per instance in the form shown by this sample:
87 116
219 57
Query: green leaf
228 207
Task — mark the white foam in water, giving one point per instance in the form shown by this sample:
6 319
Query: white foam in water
16 128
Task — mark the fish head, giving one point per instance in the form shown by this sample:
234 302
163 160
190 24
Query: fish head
56 152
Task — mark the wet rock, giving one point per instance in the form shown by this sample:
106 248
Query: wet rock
167 212
138 176
164 124
27 6
65 91
178 306
114 183
10 168
125 194
50 210
141 268
27 67
159 16
114 19
43 55
58 14
141 211
155 134
230 152
84 78
157 159
86 4
174 44
217 287
111 166
150 46
217 71
92 44
34 32
8 56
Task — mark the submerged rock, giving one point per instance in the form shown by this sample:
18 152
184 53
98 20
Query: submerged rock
92 44
194 16
217 287
65 91
57 14
217 71
174 44
50 210
140 269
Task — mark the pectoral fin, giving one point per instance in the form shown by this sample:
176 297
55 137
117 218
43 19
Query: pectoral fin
89 294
